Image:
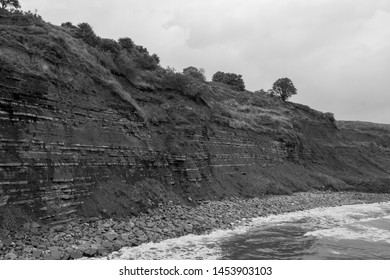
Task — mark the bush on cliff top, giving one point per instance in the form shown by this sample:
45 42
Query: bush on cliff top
110 52
195 73
235 81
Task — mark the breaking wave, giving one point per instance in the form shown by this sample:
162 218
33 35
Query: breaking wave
344 232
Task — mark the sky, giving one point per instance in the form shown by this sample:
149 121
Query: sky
336 52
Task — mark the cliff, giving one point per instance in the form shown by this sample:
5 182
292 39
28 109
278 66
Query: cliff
78 138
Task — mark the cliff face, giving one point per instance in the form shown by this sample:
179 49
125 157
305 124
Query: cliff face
76 139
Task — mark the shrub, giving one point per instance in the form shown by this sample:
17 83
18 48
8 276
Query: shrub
86 33
68 24
126 66
235 81
141 49
109 45
127 44
175 81
330 117
105 59
261 91
195 73
23 18
146 61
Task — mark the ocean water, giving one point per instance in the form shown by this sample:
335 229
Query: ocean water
346 232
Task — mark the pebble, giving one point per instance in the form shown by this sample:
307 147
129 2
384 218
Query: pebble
100 237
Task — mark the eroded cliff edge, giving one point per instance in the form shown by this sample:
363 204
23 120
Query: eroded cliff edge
77 139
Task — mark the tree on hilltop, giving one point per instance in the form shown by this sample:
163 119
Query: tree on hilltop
285 88
13 3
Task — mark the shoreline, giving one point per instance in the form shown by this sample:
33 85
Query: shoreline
100 237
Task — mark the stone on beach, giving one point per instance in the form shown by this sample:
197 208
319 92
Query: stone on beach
76 254
11 256
37 253
55 253
111 236
90 252
96 238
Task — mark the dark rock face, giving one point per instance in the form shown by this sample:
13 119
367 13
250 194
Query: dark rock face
78 140
66 149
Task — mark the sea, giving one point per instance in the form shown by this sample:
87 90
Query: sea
349 232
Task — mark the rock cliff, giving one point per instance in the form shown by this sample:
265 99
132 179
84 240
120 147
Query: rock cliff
77 139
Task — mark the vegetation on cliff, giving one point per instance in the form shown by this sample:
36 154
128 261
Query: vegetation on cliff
234 80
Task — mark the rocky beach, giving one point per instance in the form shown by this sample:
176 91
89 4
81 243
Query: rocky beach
97 237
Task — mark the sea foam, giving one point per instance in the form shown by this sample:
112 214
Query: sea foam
348 221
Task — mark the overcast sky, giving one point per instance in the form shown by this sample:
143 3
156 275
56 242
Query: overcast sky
336 52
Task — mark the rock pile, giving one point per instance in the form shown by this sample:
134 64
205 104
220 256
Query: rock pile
98 237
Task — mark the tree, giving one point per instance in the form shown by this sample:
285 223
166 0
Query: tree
218 77
146 61
68 24
195 73
175 81
109 45
127 44
13 3
261 91
234 80
86 33
285 88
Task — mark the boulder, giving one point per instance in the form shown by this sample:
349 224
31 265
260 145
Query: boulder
118 244
134 242
28 249
90 252
188 228
125 236
58 228
35 225
107 244
76 254
36 253
98 240
11 256
111 236
142 238
7 242
56 254
19 235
